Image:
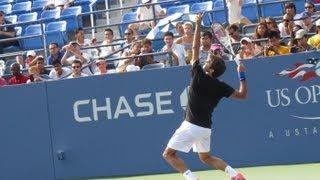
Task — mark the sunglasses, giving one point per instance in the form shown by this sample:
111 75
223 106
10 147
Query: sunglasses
127 33
231 34
286 20
308 7
75 67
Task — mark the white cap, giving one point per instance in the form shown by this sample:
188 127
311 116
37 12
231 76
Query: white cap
245 39
100 60
131 68
31 53
145 1
300 33
318 22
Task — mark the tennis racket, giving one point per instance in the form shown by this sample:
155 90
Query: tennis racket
224 38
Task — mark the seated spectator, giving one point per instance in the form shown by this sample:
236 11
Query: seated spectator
175 51
305 22
39 63
302 42
186 40
274 47
290 9
146 48
135 49
108 40
76 66
206 42
271 24
62 4
3 82
248 50
293 41
80 39
145 13
235 35
6 32
58 71
217 50
314 41
34 75
102 67
261 32
179 29
309 7
26 62
18 77
286 26
55 53
72 53
128 39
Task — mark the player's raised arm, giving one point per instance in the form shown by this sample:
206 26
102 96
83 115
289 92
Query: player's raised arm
243 89
196 39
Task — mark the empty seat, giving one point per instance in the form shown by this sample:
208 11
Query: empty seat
22 7
56 32
70 15
181 9
7 8
126 18
35 42
271 8
86 5
201 7
37 6
27 17
218 4
50 15
2 2
11 18
250 11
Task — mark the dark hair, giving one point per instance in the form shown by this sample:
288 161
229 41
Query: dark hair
110 30
2 13
206 33
54 43
146 41
56 62
290 5
234 27
78 30
274 34
77 61
168 34
217 65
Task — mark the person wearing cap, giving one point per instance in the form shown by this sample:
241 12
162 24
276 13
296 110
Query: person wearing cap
314 41
18 77
72 52
101 69
31 55
274 47
58 71
6 32
305 22
76 66
302 42
144 13
175 51
248 49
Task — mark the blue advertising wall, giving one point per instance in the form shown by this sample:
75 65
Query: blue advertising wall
119 124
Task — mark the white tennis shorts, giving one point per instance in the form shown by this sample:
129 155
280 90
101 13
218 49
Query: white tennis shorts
189 136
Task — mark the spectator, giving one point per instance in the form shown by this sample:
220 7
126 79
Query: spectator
286 26
248 50
102 67
175 51
309 7
145 13
290 9
306 22
80 39
135 49
108 40
314 41
55 53
76 66
235 35
302 42
58 71
234 12
179 29
217 50
72 53
146 48
128 39
18 77
206 41
271 24
6 32
31 55
39 63
186 40
275 48
62 4
261 32
293 41
34 75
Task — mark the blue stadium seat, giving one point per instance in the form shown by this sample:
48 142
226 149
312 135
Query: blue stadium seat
56 32
19 1
33 43
70 15
27 17
50 15
274 9
22 7
203 6
181 9
127 17
2 2
299 5
37 6
250 10
11 18
86 5
153 66
7 8
218 4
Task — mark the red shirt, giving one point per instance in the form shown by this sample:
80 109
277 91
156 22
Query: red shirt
21 79
2 82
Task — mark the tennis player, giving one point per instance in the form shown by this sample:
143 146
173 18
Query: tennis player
205 92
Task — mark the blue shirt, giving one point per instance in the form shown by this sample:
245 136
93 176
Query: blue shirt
51 58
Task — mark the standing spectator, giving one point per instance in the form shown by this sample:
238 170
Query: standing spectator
302 42
314 41
275 48
290 9
146 48
234 33
145 13
55 53
76 66
206 41
286 26
186 40
6 32
18 77
176 51
58 71
234 12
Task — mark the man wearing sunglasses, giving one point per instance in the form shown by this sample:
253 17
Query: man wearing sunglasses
76 70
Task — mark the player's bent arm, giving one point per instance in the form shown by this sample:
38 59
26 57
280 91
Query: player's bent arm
242 93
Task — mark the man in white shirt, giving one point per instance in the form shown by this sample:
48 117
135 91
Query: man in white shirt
58 71
176 51
76 70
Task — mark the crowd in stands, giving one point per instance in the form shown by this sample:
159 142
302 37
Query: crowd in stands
292 33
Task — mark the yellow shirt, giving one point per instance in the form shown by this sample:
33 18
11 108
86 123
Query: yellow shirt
282 50
314 41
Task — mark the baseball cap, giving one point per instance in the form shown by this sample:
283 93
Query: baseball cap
132 67
215 47
245 39
31 53
145 1
300 33
318 22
